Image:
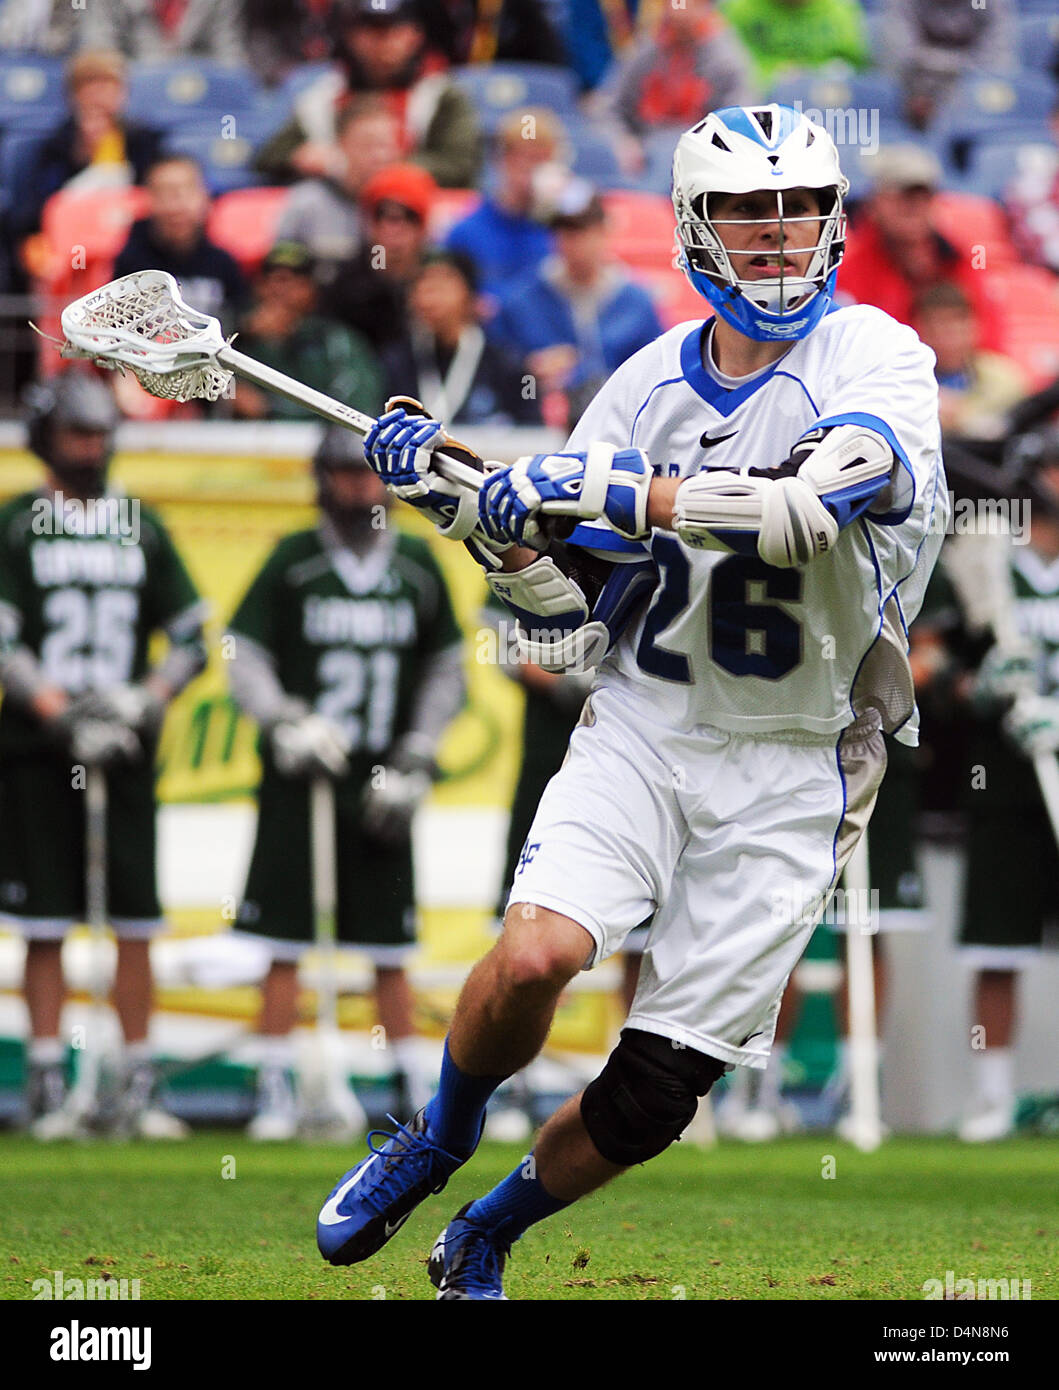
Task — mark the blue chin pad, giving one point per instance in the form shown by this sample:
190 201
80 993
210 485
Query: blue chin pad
756 323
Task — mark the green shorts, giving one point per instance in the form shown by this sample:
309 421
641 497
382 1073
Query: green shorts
375 888
42 848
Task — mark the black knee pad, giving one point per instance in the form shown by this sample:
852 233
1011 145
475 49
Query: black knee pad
645 1097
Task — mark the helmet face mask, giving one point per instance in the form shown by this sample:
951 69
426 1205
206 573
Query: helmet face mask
353 508
765 160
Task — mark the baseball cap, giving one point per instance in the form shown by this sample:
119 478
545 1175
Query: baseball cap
405 184
93 64
290 255
576 205
379 11
902 166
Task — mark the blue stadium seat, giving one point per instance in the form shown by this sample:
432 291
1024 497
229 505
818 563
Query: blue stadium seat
31 92
983 106
164 95
995 161
1038 41
18 149
499 88
837 91
594 157
225 162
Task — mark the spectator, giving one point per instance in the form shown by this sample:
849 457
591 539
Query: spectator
173 238
1032 200
799 34
578 316
894 250
94 147
929 45
502 235
593 32
382 48
285 330
48 27
370 291
325 213
151 31
692 62
281 35
444 361
976 388
484 31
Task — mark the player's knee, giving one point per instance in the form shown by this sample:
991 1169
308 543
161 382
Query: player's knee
645 1097
542 952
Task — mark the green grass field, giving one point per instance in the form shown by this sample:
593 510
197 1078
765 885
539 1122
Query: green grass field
732 1223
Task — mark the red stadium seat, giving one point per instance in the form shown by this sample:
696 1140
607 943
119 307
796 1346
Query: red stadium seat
448 207
969 221
84 232
1027 300
244 223
642 227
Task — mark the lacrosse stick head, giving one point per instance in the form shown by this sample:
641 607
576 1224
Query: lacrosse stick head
141 322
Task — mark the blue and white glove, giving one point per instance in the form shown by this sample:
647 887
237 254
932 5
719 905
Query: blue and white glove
399 448
603 482
1033 725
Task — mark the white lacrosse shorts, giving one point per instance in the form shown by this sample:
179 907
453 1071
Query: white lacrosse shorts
731 843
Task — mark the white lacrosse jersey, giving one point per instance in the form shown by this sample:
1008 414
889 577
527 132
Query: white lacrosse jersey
727 640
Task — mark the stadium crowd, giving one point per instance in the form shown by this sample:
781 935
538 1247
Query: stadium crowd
461 201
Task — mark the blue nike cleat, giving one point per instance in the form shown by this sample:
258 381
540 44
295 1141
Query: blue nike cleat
373 1200
467 1261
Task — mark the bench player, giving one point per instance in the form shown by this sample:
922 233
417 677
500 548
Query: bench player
778 468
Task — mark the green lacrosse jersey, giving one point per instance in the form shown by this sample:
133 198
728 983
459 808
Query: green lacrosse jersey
1000 775
349 634
84 586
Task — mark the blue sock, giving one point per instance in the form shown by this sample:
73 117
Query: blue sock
456 1113
515 1204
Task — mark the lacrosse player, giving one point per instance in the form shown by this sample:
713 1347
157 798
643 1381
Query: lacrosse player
772 476
86 577
348 656
1010 902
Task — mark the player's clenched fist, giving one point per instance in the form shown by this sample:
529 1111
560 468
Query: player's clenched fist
399 447
604 482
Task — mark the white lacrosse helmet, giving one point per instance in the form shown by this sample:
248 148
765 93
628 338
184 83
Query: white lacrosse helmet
749 149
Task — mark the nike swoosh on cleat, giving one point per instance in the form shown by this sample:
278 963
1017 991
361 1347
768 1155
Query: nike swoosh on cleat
392 1226
330 1215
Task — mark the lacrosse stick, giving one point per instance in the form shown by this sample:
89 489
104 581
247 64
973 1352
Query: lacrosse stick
84 1102
865 1119
331 1109
142 323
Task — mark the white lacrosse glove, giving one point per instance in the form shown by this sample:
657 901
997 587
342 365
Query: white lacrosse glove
1033 725
100 742
394 794
1007 673
311 746
135 706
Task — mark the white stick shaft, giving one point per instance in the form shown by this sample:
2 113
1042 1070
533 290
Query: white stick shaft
329 409
865 1112
322 835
